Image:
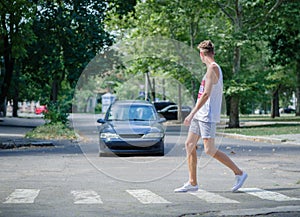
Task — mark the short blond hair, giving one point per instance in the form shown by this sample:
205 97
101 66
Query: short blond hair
207 47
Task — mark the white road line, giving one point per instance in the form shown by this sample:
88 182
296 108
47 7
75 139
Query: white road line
212 197
22 196
267 195
86 197
146 196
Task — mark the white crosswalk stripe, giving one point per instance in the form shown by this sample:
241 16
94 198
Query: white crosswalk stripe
267 195
146 196
212 197
86 197
22 196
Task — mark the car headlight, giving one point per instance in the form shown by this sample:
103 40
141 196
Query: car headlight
153 135
109 135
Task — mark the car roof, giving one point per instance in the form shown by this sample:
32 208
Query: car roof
132 102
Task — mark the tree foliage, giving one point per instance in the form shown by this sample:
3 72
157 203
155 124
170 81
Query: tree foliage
45 45
15 34
236 27
68 34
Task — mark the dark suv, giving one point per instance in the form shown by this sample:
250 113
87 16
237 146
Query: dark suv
163 104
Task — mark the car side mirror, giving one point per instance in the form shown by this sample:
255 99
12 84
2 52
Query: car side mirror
101 121
161 120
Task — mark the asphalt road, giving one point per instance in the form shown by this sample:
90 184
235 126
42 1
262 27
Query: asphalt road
71 180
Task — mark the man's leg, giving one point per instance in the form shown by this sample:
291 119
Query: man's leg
190 145
210 149
191 151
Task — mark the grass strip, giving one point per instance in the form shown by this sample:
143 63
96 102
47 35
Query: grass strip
57 131
266 130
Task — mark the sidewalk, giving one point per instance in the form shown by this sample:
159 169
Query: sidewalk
13 131
18 127
289 139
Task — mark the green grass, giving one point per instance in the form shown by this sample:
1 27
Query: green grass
264 125
282 118
52 131
265 130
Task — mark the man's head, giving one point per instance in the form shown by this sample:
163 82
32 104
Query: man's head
207 48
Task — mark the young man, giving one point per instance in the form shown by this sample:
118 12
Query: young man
202 121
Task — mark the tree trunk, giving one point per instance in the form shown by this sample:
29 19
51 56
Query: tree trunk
275 104
164 89
15 106
8 64
235 99
153 90
234 121
54 91
16 91
298 88
179 111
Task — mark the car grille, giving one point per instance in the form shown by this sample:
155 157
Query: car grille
129 146
131 136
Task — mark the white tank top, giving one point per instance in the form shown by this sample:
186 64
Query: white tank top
211 110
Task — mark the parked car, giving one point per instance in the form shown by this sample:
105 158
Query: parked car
41 109
162 104
289 110
171 112
131 127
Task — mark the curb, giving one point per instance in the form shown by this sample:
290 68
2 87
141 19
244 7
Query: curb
19 143
252 138
261 211
263 139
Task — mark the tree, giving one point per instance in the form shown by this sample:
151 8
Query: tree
244 17
69 34
284 42
177 20
15 33
189 21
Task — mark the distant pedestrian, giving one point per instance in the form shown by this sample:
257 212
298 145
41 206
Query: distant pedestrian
202 121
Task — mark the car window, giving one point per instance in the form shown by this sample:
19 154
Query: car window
131 112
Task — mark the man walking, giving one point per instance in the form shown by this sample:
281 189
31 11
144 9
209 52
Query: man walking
202 121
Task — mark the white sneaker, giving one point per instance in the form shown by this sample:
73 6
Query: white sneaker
239 181
186 187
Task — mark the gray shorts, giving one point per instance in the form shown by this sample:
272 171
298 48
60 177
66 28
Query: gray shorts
203 129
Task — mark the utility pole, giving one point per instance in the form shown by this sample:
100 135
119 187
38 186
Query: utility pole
179 112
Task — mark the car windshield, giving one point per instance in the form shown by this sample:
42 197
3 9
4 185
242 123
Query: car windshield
131 113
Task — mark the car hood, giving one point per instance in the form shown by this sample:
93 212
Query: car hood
133 127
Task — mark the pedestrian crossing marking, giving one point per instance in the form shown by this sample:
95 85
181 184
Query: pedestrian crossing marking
22 196
86 197
212 197
267 195
146 196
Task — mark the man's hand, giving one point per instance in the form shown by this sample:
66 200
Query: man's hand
188 119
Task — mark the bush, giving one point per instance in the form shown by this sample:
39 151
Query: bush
98 109
57 131
56 113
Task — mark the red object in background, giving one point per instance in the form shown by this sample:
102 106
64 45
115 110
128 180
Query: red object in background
41 109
